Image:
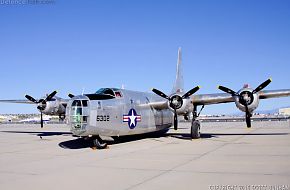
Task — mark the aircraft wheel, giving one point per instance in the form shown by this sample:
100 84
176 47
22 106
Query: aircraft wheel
195 129
99 143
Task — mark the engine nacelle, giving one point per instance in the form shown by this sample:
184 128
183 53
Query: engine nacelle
53 107
183 106
246 96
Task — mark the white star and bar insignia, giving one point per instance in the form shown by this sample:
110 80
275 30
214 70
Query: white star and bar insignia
132 118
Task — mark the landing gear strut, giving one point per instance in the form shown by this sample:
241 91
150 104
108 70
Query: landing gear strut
195 124
61 118
99 143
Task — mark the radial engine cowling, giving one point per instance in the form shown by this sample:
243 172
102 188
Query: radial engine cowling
246 97
53 107
181 105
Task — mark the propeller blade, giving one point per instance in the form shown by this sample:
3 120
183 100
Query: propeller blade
71 95
158 92
262 86
190 92
31 99
41 120
248 117
175 120
50 96
227 90
248 121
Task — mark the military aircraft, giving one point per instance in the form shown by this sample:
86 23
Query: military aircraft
120 112
48 105
114 112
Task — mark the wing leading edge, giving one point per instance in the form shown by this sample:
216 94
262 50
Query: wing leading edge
207 99
17 101
274 93
62 101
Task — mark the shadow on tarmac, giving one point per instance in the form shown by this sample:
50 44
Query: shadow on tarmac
80 143
40 133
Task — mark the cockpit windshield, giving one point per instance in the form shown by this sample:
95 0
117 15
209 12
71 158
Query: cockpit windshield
105 94
106 91
110 91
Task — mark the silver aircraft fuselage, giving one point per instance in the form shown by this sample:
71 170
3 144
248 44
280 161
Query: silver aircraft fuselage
124 112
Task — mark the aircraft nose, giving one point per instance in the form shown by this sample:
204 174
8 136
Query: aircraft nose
78 115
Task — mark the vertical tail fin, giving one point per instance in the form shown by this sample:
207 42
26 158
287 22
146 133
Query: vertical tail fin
179 84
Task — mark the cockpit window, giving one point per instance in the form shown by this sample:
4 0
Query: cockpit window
76 103
105 94
83 103
106 91
118 94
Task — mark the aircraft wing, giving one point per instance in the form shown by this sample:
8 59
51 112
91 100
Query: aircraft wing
202 99
17 101
218 98
62 101
158 105
274 93
207 99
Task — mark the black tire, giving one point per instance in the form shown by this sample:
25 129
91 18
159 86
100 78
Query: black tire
195 129
99 143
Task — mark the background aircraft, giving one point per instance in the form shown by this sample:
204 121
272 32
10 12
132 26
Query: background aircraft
48 105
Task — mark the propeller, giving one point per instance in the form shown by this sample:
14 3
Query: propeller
31 99
245 94
176 101
50 96
41 119
41 104
71 95
227 90
262 86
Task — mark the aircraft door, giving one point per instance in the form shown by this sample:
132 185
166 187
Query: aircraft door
158 118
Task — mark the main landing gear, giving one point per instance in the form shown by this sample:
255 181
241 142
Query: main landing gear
195 124
99 143
195 129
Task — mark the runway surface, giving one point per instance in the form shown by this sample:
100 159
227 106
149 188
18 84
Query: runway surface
228 156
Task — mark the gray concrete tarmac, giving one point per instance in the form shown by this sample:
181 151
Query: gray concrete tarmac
228 156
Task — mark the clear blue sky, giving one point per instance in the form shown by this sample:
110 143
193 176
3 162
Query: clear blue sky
71 45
